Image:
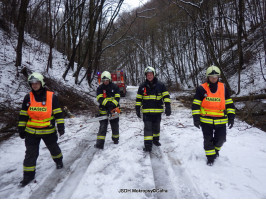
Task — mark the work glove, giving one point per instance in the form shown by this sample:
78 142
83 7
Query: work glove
197 123
61 132
138 111
168 110
22 134
230 123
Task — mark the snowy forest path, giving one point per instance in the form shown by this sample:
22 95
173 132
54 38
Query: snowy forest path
168 173
61 183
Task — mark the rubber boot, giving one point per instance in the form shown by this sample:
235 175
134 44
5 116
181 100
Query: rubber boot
27 178
59 164
156 143
210 160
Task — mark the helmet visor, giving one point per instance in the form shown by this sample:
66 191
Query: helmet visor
105 79
34 80
213 73
149 70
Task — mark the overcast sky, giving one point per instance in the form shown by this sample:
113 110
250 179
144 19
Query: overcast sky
130 4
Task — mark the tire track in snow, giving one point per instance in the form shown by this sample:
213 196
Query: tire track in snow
72 181
161 176
61 183
169 175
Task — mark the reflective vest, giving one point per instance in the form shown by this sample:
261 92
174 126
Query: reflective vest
213 104
40 115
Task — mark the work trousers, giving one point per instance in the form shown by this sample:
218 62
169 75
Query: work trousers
103 130
32 143
214 137
151 128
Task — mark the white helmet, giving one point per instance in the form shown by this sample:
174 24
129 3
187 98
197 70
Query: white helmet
213 71
106 76
149 69
36 77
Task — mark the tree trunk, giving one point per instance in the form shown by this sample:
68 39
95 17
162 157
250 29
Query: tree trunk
22 17
240 20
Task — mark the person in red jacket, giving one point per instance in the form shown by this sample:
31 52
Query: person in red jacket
212 108
40 110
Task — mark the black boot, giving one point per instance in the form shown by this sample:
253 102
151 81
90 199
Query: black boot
59 164
217 153
116 142
26 180
156 143
28 176
147 148
210 160
98 146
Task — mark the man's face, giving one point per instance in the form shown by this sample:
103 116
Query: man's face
213 79
36 86
150 76
106 82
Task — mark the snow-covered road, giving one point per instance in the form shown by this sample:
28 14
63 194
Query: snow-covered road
177 169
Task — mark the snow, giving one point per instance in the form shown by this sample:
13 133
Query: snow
177 169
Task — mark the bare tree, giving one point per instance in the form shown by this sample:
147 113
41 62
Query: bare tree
239 6
22 17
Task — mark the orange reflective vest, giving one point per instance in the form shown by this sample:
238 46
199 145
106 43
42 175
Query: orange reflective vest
213 104
40 115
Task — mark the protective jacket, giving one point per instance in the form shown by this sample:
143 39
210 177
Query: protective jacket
212 104
151 96
108 97
40 110
39 113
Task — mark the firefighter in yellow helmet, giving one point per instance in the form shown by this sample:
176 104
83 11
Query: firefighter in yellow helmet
108 96
40 111
212 109
151 96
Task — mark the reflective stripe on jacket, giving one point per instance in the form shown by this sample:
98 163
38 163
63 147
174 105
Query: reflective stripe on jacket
40 115
152 96
213 104
105 94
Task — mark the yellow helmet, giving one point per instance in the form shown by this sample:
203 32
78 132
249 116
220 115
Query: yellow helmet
213 71
36 77
106 76
149 69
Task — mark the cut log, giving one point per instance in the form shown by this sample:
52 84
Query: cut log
249 98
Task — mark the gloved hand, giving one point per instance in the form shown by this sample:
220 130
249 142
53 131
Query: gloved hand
22 134
197 123
230 123
168 110
61 132
138 111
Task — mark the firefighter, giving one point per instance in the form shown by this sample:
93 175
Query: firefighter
108 96
151 96
40 110
212 108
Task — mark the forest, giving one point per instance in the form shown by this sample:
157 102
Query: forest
179 38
